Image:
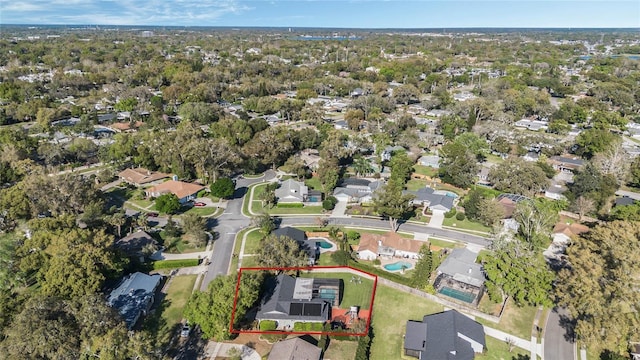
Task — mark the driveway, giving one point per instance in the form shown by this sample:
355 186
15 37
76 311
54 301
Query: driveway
436 219
340 210
558 345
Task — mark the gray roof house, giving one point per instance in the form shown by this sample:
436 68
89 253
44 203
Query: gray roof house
459 277
448 335
136 243
356 190
291 191
309 246
134 296
294 349
433 199
288 300
430 160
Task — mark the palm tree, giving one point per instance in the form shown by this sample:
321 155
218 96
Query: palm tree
362 166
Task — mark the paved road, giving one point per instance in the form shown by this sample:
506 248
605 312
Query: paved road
227 226
557 345
383 224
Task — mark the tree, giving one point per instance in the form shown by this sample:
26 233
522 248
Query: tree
328 173
389 202
212 309
223 188
520 273
595 140
634 172
518 176
599 288
168 203
458 165
264 222
401 167
195 227
281 251
354 118
424 266
362 166
489 212
582 206
535 219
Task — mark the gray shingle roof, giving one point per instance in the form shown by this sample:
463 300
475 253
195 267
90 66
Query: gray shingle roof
461 266
279 303
294 349
134 295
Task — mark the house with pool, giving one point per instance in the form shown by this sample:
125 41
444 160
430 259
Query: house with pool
460 277
388 246
288 300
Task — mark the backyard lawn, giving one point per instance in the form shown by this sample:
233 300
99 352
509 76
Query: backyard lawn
168 315
179 245
343 350
313 183
355 294
499 350
425 170
416 184
391 310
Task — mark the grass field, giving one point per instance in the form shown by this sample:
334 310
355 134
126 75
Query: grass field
313 183
252 243
465 224
341 350
499 350
202 211
391 310
515 320
168 315
425 170
416 184
354 294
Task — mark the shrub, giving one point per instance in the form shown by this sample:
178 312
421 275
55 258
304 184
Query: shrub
495 295
307 326
328 205
172 264
290 205
341 257
449 214
223 188
460 216
168 203
377 262
268 325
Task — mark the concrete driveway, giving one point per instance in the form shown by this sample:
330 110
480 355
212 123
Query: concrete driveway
436 219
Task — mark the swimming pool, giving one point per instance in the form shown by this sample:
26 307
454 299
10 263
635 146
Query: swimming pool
324 244
457 294
398 266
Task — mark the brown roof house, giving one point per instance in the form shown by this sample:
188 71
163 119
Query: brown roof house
183 190
294 349
562 235
390 244
142 176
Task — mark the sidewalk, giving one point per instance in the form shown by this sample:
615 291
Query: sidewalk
536 349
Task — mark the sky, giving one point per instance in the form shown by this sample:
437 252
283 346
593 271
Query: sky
328 13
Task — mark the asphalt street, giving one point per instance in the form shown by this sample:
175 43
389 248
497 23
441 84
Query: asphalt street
558 345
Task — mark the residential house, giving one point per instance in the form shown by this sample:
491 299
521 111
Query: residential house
292 191
483 174
354 190
533 125
309 246
340 125
141 176
566 163
555 191
460 277
137 244
430 160
388 152
562 234
624 201
311 158
134 296
532 156
357 92
508 203
388 245
288 300
438 113
183 190
463 96
434 200
294 349
448 335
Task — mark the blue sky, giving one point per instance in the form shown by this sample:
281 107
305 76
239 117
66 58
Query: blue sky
327 13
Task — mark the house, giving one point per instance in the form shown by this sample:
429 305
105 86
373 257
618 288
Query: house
357 92
294 349
531 156
309 246
438 113
137 244
311 158
183 190
134 296
390 244
460 277
288 300
624 201
508 203
292 191
340 125
435 200
533 125
448 335
562 234
483 174
354 190
388 152
142 176
566 163
555 191
430 160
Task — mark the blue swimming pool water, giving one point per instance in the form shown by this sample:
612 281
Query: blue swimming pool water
398 266
457 294
324 244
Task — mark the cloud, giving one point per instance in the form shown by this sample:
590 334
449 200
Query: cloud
122 12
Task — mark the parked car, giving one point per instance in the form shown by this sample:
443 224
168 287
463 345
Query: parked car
199 204
152 214
185 330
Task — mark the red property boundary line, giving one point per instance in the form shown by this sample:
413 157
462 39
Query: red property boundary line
310 269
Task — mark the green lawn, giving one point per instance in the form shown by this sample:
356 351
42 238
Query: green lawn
499 350
416 184
391 310
307 210
354 294
515 320
425 170
445 243
168 315
313 183
202 211
465 224
494 158
342 350
249 261
252 243
178 245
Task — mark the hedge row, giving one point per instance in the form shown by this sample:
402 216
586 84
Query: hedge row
268 325
307 326
290 205
171 264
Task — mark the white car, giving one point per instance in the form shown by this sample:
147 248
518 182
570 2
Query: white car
185 330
